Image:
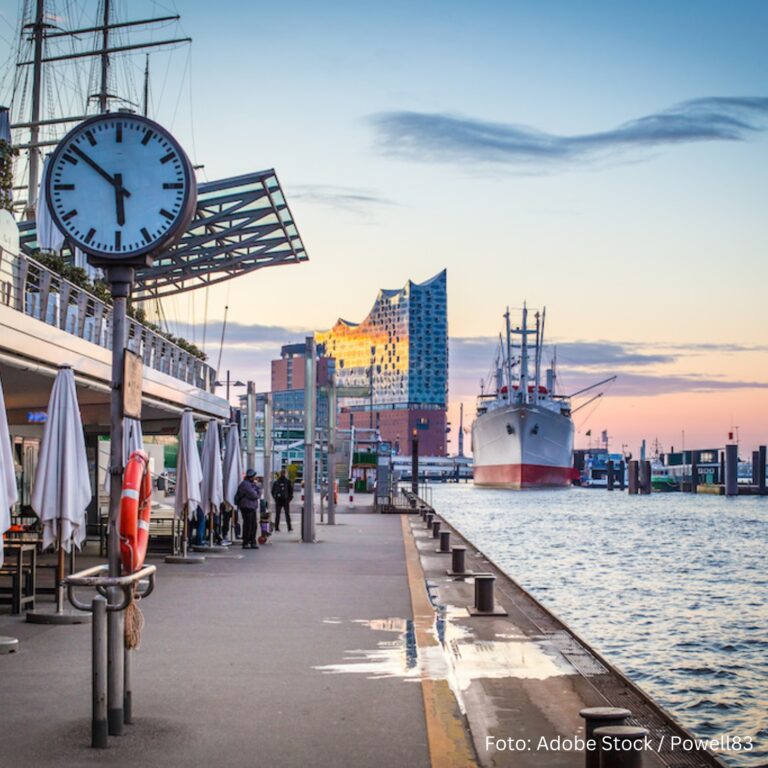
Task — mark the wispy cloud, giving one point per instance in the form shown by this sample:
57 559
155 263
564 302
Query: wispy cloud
348 198
455 139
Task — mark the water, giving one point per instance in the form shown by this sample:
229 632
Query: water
671 588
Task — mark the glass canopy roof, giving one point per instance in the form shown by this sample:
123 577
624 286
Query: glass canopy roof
241 224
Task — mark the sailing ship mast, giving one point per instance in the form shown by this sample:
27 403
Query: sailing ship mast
40 32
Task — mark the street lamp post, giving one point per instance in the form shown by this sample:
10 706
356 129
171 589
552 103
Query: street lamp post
415 461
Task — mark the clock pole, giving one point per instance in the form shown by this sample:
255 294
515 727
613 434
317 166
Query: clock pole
120 280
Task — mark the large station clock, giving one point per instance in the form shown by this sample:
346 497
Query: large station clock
119 186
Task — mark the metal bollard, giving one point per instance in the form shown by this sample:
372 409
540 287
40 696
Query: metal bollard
621 746
430 516
423 512
484 602
435 529
458 561
99 673
599 717
445 542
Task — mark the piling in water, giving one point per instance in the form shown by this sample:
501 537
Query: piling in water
609 475
731 470
694 472
761 471
634 476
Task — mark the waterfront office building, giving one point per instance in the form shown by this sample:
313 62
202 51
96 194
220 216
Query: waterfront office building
399 354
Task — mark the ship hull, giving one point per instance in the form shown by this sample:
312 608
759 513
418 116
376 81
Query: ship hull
523 447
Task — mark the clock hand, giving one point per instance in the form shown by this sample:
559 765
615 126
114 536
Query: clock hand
120 194
112 180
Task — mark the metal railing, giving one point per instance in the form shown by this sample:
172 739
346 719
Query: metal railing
33 289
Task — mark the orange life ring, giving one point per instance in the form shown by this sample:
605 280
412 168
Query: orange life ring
135 508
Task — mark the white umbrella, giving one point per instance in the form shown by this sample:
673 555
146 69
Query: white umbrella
189 473
133 440
62 486
233 464
212 489
8 492
233 469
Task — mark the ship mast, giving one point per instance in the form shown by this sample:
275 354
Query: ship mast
509 357
37 84
539 350
524 356
40 37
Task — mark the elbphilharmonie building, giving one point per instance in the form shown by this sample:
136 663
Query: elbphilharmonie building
397 357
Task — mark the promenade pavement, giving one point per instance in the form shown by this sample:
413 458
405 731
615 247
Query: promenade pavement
226 674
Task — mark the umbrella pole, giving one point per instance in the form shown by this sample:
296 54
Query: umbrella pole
60 577
185 535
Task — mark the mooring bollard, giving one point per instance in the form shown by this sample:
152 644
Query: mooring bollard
430 517
99 673
458 561
621 746
484 602
435 529
599 717
445 542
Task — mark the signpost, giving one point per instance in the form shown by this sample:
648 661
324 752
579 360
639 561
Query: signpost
121 189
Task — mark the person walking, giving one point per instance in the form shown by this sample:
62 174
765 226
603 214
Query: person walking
282 493
247 499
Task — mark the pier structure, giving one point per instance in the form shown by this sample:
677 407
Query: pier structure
360 649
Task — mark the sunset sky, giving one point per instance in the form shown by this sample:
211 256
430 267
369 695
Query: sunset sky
607 160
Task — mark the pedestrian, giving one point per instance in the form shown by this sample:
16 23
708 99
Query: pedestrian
247 500
282 493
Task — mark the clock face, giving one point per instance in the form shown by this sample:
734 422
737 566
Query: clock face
119 185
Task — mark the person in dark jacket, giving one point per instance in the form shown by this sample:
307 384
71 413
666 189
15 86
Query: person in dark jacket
247 499
282 493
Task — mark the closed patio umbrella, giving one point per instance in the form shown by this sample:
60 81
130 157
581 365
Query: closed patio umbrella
133 440
212 489
8 491
62 485
233 468
189 474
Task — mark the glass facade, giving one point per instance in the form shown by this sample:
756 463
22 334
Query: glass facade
399 352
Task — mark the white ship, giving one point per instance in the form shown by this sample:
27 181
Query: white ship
523 434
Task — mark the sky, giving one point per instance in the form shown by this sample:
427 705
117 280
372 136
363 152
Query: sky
607 160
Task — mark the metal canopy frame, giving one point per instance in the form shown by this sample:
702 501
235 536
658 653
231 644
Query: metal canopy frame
241 224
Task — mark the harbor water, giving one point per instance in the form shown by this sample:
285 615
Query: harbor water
670 588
